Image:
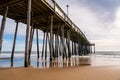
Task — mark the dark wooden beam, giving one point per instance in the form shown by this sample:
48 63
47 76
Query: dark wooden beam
37 40
51 35
27 63
10 3
3 26
14 43
43 45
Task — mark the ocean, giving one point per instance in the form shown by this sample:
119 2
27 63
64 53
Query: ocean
100 58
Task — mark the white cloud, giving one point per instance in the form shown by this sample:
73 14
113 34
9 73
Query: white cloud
98 25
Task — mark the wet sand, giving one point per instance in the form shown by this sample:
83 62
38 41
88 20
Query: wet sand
65 73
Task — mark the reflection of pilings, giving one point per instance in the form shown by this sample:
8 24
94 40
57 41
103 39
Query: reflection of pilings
37 40
14 43
27 63
43 45
3 26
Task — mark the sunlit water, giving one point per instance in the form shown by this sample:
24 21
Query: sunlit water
97 59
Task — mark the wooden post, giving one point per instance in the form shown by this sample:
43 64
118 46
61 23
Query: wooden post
43 45
27 63
3 27
68 43
14 43
62 40
78 46
72 48
37 40
31 40
53 47
51 34
56 44
46 45
94 48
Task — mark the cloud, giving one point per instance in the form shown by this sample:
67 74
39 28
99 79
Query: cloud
99 20
107 45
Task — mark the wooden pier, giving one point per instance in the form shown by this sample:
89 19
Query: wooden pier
61 35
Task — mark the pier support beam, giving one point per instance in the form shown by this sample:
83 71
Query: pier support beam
56 44
68 44
63 43
3 27
26 62
46 45
37 40
14 43
51 37
94 48
72 48
31 40
43 45
53 54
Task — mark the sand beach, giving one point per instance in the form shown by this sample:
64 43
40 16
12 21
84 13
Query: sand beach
65 73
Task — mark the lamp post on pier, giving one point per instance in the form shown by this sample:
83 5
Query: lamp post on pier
67 9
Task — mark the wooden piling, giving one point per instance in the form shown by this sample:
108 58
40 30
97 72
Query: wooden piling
3 27
43 45
14 43
94 48
46 45
53 54
68 43
63 44
51 38
72 48
37 40
31 40
26 62
56 44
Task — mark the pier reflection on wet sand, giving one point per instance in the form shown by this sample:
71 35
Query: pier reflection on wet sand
59 62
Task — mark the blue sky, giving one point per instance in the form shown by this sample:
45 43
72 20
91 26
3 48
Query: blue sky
98 19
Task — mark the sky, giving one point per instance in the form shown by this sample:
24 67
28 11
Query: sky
98 19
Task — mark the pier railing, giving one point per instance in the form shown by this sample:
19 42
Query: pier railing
63 15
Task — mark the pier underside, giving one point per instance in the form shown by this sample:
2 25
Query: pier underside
62 35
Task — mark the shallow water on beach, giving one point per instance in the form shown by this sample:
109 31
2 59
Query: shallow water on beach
96 59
